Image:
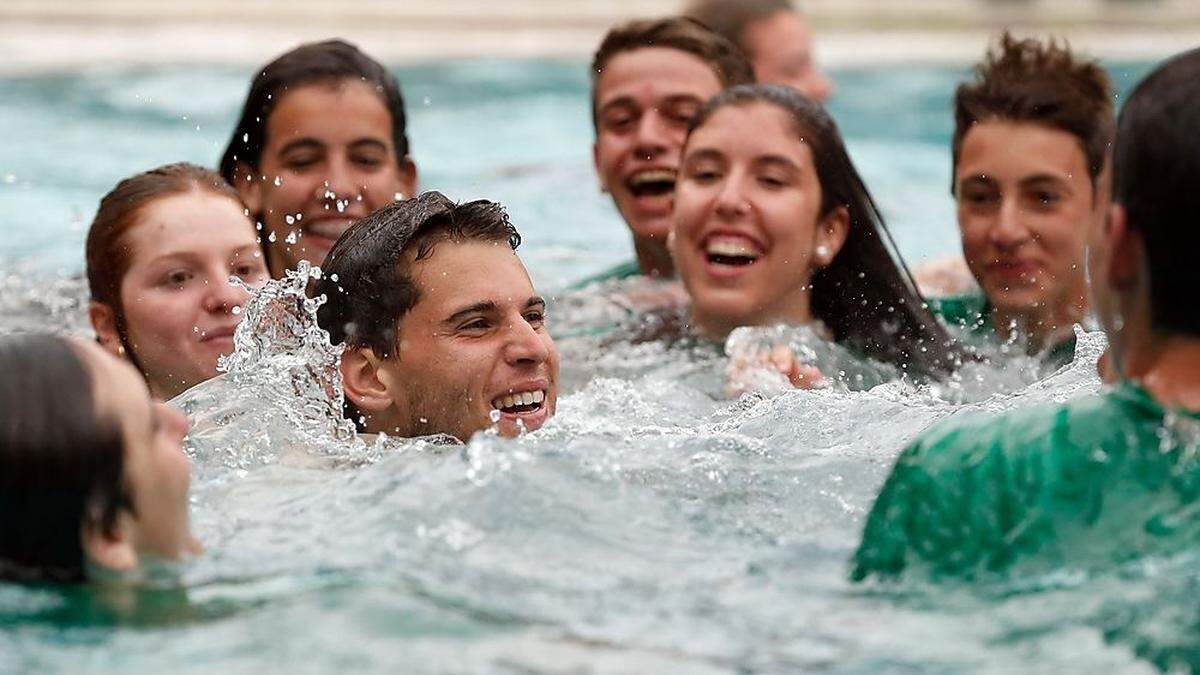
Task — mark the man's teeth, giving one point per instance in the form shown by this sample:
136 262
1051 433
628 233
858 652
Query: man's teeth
658 176
519 399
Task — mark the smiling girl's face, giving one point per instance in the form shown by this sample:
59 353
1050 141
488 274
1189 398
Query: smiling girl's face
178 304
748 229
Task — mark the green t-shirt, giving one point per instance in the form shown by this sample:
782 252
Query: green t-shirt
969 316
1100 479
625 270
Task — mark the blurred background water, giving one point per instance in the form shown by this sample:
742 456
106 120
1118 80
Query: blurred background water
516 131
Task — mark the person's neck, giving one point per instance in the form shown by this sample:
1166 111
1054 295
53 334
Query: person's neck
1041 327
654 260
795 311
1167 366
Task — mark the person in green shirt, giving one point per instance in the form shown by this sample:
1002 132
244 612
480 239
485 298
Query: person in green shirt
1030 151
1106 477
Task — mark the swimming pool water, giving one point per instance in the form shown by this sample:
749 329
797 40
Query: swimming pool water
649 527
514 131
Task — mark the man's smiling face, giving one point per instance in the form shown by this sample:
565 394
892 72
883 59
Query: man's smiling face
475 342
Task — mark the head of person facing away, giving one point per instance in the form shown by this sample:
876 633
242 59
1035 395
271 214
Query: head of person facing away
1144 281
649 77
774 35
1031 148
320 143
92 470
160 254
442 326
776 226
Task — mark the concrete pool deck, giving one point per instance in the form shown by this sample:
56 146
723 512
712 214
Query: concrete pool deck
50 35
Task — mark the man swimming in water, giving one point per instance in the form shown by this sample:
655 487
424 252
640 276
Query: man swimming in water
648 80
774 35
1030 150
1103 476
443 329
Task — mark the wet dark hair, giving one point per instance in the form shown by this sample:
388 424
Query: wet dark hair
368 282
1156 178
686 35
61 465
108 251
865 296
730 17
327 61
1030 81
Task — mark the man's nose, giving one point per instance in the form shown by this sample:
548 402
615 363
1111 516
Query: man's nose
526 345
731 202
339 183
653 137
1009 229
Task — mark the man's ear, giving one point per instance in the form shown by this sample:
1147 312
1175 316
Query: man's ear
248 187
1124 250
361 380
596 165
104 322
831 236
113 549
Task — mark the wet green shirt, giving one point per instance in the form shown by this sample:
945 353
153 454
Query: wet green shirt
970 318
625 270
1102 478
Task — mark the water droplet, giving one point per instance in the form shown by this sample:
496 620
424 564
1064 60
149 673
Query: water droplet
292 237
271 237
289 220
278 181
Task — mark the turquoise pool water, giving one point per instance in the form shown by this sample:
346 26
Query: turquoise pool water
515 131
651 527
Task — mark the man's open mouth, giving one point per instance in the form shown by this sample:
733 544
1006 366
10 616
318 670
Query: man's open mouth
733 251
652 183
520 402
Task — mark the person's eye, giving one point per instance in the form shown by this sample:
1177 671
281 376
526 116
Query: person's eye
300 161
478 325
704 174
620 122
978 197
368 161
1046 197
772 182
536 317
177 278
247 271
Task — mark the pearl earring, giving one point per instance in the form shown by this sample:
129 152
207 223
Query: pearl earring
822 251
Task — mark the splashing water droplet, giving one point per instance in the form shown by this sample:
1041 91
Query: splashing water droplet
271 237
278 181
292 237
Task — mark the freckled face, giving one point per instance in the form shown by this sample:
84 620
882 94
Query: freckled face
178 304
329 160
1025 207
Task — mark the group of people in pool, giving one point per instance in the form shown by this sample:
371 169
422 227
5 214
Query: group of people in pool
733 180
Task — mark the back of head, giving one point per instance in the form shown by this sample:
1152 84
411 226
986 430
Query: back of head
368 282
326 61
1156 178
686 35
865 296
1041 83
60 465
107 252
730 17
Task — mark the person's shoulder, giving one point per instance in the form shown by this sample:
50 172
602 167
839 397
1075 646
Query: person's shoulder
963 309
967 439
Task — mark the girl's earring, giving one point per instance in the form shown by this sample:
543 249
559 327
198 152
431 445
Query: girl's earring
121 350
822 254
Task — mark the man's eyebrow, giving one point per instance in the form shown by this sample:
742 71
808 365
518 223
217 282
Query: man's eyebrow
477 308
1043 178
372 142
619 102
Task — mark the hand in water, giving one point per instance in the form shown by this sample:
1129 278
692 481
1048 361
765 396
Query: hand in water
771 370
